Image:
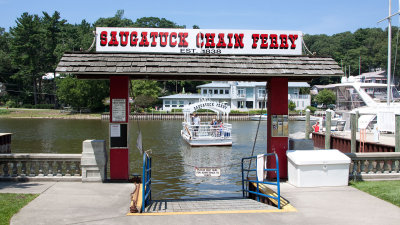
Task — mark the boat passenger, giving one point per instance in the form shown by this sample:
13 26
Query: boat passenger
316 127
196 123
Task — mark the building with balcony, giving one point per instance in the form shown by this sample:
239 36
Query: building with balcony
241 96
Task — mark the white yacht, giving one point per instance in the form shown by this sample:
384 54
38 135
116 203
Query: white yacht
369 99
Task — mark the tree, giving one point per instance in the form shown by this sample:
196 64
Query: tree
27 53
291 106
82 93
116 21
326 97
155 22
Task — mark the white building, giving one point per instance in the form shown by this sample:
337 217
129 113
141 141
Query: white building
238 95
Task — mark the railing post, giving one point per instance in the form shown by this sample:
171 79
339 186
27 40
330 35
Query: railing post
328 129
353 125
307 124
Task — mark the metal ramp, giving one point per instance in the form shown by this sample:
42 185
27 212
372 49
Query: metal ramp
245 204
207 206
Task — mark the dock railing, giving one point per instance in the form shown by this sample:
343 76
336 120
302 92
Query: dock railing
146 181
40 167
374 166
246 180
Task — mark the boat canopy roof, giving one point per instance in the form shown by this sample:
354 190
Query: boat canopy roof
221 108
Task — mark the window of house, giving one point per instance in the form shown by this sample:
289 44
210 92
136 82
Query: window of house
240 104
221 91
261 92
241 92
227 91
204 91
174 103
167 103
181 103
215 91
210 91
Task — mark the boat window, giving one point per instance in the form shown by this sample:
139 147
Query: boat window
348 99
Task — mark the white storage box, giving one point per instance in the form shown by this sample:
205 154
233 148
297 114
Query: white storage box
316 168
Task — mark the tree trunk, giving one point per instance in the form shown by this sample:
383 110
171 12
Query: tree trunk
34 90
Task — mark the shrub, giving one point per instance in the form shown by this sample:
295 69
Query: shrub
4 111
312 109
11 104
292 106
176 110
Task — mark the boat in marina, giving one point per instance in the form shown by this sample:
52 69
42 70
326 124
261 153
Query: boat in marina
258 117
213 133
369 99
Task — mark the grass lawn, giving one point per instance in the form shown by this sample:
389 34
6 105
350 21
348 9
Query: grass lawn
386 190
44 113
11 204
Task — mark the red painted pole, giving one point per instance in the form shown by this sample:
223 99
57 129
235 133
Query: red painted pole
119 156
277 104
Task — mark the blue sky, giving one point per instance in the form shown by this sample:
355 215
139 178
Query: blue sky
309 16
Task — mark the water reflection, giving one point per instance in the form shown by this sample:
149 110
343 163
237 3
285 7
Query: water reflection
174 161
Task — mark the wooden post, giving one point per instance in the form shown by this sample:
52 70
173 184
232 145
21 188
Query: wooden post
328 129
397 133
353 142
307 124
357 117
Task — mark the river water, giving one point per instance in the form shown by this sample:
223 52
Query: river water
174 161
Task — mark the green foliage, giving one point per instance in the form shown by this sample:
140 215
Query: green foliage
178 110
252 112
144 101
4 111
312 109
82 93
386 190
326 97
154 22
292 106
11 204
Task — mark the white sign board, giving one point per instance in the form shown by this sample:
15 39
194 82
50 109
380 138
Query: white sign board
118 110
198 41
115 130
207 172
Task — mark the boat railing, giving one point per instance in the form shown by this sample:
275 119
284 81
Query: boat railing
208 130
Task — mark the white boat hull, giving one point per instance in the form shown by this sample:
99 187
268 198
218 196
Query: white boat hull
206 141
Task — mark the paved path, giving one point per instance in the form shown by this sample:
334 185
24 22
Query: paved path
86 203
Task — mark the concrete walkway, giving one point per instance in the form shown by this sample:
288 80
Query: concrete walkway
93 203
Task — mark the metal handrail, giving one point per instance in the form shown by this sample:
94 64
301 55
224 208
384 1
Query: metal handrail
146 181
245 188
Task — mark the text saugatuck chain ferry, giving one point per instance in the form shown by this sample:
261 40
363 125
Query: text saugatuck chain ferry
202 41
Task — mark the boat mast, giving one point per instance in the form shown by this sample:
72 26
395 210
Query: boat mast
389 18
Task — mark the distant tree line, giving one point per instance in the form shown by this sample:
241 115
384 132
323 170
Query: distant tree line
34 46
359 52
